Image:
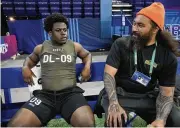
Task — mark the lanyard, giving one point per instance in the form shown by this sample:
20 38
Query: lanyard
152 60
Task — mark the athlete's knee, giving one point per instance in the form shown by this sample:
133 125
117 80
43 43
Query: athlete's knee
17 120
24 118
88 120
16 123
83 117
83 120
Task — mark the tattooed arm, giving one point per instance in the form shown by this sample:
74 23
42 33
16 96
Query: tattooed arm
164 103
115 110
110 83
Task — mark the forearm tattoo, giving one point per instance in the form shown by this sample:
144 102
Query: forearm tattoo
163 105
110 86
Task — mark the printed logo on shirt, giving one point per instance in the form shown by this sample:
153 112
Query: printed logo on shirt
62 58
148 62
58 49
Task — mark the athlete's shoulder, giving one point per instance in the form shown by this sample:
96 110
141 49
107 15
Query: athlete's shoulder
70 41
46 42
38 49
78 47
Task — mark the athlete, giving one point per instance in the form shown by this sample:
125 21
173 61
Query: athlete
59 94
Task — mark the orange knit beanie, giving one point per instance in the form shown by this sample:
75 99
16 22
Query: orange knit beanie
155 12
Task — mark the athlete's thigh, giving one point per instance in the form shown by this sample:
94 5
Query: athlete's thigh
24 118
36 112
71 104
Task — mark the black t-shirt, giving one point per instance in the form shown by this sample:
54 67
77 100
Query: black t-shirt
121 57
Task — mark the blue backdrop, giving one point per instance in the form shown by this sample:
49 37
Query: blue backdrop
170 4
86 31
29 33
172 18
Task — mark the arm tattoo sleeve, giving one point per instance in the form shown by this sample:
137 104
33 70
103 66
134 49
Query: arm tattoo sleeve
110 86
163 106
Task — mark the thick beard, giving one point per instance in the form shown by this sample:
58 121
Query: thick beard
140 41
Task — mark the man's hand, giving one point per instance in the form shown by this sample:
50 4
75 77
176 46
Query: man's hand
86 74
158 123
27 75
114 115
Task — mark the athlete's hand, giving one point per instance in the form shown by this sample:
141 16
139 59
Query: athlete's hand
86 74
114 115
27 75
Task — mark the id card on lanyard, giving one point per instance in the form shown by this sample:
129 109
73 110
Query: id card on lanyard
140 77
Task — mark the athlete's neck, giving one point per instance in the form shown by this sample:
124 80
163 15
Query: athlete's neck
57 43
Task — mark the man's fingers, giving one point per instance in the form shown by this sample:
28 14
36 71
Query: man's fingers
107 121
114 121
125 116
119 120
110 121
154 124
150 126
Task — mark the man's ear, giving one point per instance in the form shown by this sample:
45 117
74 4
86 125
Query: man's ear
156 29
50 33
